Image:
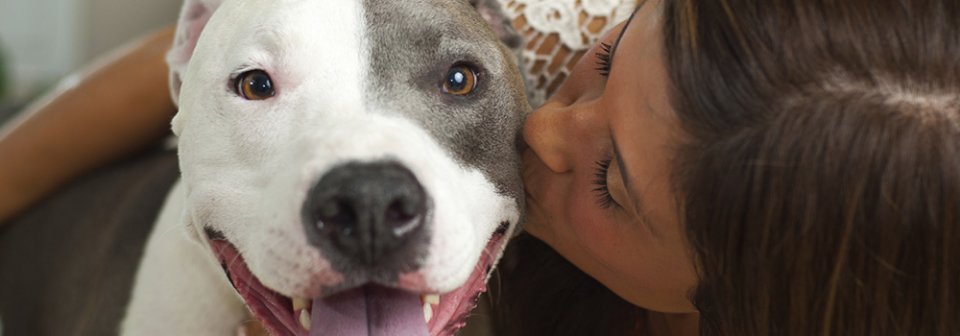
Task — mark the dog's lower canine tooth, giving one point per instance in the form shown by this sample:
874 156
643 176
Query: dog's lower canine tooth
305 319
427 312
299 303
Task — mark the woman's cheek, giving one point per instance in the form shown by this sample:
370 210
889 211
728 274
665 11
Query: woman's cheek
547 217
587 218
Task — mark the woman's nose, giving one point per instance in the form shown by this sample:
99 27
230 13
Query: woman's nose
560 134
571 122
544 132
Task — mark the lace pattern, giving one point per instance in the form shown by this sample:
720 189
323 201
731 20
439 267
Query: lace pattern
557 33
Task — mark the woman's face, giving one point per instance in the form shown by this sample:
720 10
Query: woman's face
598 171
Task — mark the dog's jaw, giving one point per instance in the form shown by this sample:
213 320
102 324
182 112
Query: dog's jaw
282 315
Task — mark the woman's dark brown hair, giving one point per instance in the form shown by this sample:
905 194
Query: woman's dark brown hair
535 291
820 183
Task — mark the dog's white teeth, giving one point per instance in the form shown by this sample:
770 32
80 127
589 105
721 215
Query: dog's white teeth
300 303
305 319
429 300
427 312
433 299
301 307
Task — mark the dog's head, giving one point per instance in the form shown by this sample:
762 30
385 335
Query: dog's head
346 151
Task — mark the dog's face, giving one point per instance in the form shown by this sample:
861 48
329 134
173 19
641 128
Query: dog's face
339 148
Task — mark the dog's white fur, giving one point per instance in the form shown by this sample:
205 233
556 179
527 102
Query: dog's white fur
247 165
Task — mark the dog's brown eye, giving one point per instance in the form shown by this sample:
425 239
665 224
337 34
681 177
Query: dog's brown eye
255 85
461 80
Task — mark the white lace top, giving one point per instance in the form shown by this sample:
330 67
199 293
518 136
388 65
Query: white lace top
558 33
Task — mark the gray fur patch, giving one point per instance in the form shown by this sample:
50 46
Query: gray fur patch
412 44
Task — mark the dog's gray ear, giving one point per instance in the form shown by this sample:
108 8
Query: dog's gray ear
193 17
493 13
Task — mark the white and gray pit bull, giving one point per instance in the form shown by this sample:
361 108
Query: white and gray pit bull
349 167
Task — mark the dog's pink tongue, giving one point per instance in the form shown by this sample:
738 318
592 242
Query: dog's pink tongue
368 310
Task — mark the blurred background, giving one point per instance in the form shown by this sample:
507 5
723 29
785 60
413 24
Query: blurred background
42 41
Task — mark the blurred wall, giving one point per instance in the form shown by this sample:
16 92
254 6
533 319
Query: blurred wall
44 40
106 29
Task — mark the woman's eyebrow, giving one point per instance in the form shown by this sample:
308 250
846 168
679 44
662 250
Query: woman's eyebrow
613 51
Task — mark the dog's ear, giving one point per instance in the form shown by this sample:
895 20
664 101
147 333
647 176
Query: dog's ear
493 13
193 17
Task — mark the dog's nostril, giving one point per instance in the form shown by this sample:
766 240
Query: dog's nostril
402 215
335 214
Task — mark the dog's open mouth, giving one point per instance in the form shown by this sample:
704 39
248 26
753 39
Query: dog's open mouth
366 310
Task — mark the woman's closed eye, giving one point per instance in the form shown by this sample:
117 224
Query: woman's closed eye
600 186
608 185
604 60
607 50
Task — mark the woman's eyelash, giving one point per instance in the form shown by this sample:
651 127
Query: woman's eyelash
600 187
603 59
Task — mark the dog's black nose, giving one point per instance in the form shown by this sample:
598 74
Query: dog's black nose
367 212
